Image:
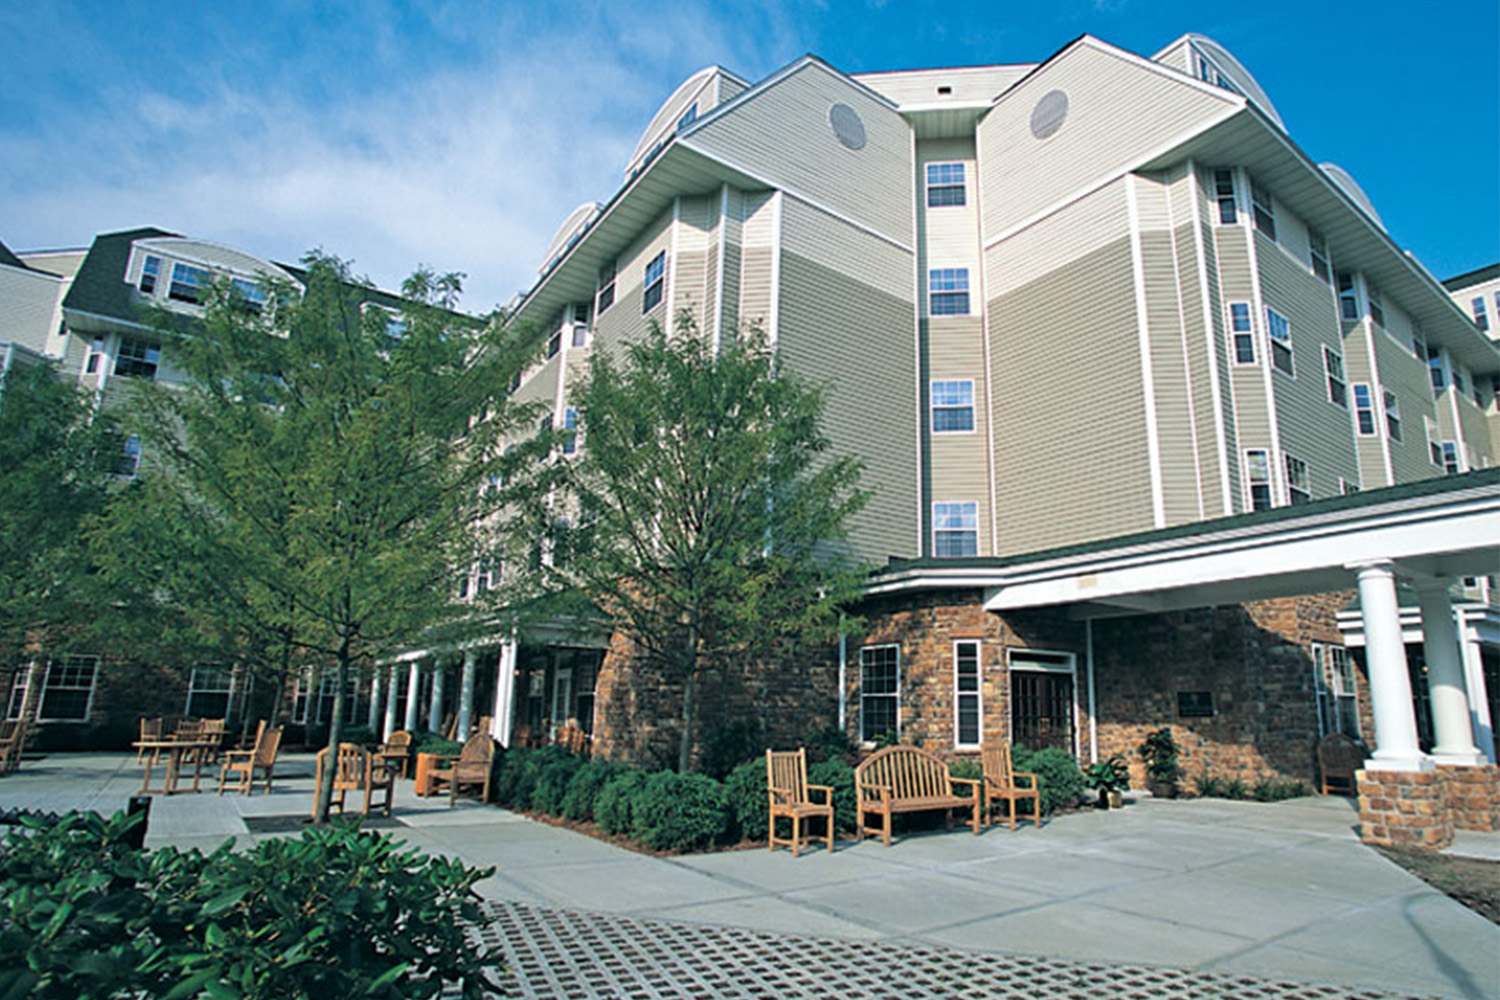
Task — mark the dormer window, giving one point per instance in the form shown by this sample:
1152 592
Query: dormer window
249 295
150 271
688 117
188 283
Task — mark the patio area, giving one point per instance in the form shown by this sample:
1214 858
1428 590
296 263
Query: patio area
1164 898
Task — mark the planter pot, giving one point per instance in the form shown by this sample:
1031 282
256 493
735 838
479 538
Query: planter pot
1103 802
1163 789
1117 799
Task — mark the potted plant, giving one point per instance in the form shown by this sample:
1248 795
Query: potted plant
1110 777
1160 751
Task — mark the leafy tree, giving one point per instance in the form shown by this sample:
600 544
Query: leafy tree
59 460
711 515
320 470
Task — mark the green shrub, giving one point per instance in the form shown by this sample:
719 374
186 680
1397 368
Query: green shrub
552 781
361 735
1061 781
425 741
1221 788
967 768
745 795
730 745
679 812
840 777
82 916
1279 789
521 769
583 791
614 808
828 743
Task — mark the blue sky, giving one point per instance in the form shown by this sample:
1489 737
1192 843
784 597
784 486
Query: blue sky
460 134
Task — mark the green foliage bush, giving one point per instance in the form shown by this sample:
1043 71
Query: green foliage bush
583 791
840 776
614 808
552 781
727 746
680 812
338 912
829 743
362 735
1279 789
426 741
745 794
1221 788
967 768
519 771
1061 781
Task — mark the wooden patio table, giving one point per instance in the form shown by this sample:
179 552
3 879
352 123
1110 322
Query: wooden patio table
426 764
177 751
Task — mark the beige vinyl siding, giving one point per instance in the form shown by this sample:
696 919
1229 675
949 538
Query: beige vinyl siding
966 84
732 224
1475 427
1252 410
846 324
757 247
1070 454
1216 343
691 276
1182 490
948 236
1178 56
1312 428
1359 367
1119 111
28 306
623 321
1408 378
871 185
729 89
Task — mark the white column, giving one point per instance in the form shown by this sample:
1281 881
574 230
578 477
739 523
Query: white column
435 709
1479 701
1452 727
466 693
376 690
505 684
1390 685
413 691
390 703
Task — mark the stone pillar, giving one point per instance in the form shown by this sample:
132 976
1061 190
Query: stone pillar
435 709
376 705
1451 724
390 703
466 693
1390 684
413 689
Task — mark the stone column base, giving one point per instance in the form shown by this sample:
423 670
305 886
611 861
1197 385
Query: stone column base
1472 795
1404 809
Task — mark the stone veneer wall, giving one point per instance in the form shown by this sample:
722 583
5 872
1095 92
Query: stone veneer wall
1403 809
1472 796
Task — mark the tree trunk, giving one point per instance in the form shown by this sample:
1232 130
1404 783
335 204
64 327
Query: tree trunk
323 796
689 701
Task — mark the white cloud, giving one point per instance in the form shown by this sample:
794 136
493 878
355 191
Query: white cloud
468 165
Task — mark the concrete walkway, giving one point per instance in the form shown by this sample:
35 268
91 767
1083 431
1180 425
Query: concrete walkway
1224 889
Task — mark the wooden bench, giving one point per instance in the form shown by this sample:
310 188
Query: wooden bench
909 779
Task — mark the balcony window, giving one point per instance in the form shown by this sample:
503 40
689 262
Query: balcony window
137 358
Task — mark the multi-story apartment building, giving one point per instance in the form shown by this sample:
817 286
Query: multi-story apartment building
1098 301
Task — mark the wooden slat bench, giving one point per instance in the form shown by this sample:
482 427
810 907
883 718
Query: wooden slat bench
909 779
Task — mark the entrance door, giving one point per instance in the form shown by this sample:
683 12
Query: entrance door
562 697
1041 702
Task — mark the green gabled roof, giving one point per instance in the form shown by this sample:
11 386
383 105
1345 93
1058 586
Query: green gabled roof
99 287
10 259
1459 281
1353 501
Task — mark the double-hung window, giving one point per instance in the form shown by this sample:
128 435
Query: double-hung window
1348 302
1241 333
188 283
1377 309
606 296
1435 371
1364 409
1317 251
1392 415
251 297
68 690
1450 458
1481 315
570 424
948 289
209 693
952 406
955 529
966 694
1333 680
1279 334
655 282
1434 445
1298 483
1258 475
150 272
96 351
137 358
879 692
1224 194
1333 368
1265 210
945 184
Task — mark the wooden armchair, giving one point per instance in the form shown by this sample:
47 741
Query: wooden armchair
13 736
788 794
358 770
1002 781
150 730
244 763
471 767
1338 758
213 730
396 751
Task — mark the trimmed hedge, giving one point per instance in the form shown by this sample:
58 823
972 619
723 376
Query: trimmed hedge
1061 780
583 791
614 807
745 793
680 812
840 776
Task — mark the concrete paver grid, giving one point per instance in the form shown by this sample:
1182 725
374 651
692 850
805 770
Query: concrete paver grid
551 954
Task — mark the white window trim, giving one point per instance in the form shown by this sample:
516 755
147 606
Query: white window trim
88 710
1030 665
1234 335
1250 483
897 695
928 187
965 503
1287 459
661 281
1328 378
933 293
977 694
194 689
933 407
1355 408
1272 343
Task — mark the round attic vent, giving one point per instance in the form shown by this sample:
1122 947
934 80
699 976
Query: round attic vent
847 126
1049 114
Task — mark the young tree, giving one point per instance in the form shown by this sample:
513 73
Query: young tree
322 466
59 459
711 516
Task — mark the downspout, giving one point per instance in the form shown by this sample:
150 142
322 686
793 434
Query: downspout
843 675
